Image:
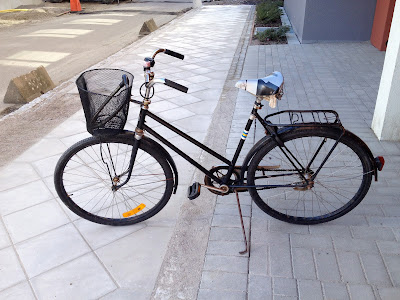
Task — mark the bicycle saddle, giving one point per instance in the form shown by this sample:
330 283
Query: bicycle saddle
266 86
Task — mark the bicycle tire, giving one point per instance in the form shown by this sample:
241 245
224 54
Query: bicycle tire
84 174
347 174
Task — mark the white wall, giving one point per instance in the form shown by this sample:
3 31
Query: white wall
386 121
10 4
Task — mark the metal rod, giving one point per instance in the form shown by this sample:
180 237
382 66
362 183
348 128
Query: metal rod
241 221
182 154
189 138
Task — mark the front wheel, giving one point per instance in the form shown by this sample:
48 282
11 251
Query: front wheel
87 172
340 185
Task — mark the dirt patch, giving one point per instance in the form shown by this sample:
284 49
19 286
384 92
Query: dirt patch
32 15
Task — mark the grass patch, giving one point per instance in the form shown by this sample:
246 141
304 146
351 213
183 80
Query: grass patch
273 34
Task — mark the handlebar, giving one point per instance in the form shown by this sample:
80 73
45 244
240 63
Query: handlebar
169 83
169 52
174 54
177 86
150 81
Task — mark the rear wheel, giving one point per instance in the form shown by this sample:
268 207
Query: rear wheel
86 173
340 185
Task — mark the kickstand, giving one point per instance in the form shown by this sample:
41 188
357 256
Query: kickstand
241 220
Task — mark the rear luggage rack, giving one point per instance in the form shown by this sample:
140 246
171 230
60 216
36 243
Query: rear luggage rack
303 118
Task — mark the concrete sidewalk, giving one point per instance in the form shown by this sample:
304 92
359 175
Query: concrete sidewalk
48 252
190 249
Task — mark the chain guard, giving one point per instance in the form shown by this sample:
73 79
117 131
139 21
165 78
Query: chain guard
220 172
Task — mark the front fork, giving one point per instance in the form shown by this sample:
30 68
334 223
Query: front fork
139 132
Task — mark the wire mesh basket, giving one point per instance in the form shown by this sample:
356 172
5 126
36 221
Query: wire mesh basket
105 95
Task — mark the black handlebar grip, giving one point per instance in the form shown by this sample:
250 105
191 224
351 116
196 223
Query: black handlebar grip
174 54
176 86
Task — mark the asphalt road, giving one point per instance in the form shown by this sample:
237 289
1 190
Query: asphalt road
68 44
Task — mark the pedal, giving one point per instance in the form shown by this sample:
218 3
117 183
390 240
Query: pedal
194 191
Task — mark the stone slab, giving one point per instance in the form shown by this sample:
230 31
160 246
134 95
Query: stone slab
25 88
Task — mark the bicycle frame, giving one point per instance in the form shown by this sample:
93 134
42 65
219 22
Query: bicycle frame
271 131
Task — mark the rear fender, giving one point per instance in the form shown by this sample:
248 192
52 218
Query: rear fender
261 143
363 145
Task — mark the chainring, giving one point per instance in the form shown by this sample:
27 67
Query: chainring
220 172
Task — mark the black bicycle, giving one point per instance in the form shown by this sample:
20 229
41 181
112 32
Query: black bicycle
306 170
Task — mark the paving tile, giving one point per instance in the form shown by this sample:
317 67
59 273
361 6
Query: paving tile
205 294
229 221
280 260
258 263
350 220
309 289
231 199
176 114
126 294
225 247
350 267
260 287
98 235
331 230
227 234
279 297
393 264
233 264
311 241
377 233
334 290
284 287
355 245
10 176
303 263
388 247
45 167
35 220
4 237
71 140
127 259
72 127
51 249
232 210
161 106
199 123
184 100
11 270
217 280
391 210
283 227
16 199
82 278
18 292
326 265
42 149
361 292
389 293
383 221
375 270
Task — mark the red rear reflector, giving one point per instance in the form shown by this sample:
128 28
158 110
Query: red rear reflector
380 162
